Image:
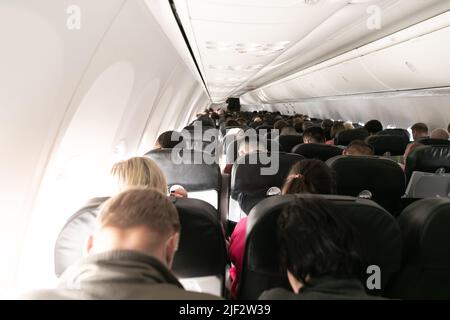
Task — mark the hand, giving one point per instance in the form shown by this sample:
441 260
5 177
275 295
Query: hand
179 193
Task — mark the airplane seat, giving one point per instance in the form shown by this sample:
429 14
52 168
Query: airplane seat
345 137
383 177
197 172
250 183
288 142
382 144
425 271
396 132
428 185
428 159
377 231
434 142
233 148
201 251
317 151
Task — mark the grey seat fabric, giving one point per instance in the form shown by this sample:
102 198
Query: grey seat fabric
425 271
428 185
428 159
201 249
377 231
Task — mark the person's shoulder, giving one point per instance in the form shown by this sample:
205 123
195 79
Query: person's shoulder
171 292
278 294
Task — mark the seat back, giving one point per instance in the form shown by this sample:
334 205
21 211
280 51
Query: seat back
198 172
383 177
395 145
233 148
428 185
317 151
201 250
434 142
377 233
288 142
345 137
428 159
396 132
425 271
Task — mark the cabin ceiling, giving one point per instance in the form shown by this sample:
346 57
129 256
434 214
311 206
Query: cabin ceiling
241 45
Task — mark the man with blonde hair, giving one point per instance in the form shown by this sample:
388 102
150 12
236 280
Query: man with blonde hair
130 254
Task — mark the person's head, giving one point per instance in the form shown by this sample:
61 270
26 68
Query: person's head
349 126
440 133
373 127
242 122
409 149
419 130
143 220
358 148
316 241
337 127
231 123
327 123
280 124
309 176
139 172
247 147
257 120
168 140
306 124
288 131
314 135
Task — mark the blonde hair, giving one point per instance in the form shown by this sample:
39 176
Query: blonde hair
139 172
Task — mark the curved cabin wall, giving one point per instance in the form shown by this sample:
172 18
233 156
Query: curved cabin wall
72 102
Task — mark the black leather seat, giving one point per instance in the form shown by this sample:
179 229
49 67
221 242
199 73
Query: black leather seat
288 142
249 184
428 159
377 231
434 142
382 177
201 250
396 132
425 272
345 137
317 151
395 145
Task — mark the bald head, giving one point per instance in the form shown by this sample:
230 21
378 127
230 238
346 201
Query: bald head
440 134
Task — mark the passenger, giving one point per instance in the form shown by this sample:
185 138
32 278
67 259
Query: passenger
247 147
358 148
440 134
373 127
338 126
409 149
419 131
169 140
319 252
314 135
306 124
349 126
280 124
306 176
130 254
326 126
231 123
288 131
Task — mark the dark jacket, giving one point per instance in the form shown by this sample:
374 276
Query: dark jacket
322 288
118 275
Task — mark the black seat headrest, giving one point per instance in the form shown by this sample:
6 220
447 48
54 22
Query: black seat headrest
396 132
288 142
428 159
377 232
395 145
317 151
425 273
248 174
194 170
434 142
233 148
201 248
345 137
383 177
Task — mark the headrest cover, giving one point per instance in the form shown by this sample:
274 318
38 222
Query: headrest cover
260 171
345 137
395 145
434 142
428 159
396 132
317 151
194 170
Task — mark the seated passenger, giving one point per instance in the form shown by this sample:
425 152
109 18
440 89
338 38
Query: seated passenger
306 176
168 140
319 253
130 254
337 127
440 134
373 127
358 148
314 135
419 131
288 131
409 148
348 125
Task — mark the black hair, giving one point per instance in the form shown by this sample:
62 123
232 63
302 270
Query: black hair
169 139
316 134
316 241
373 126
